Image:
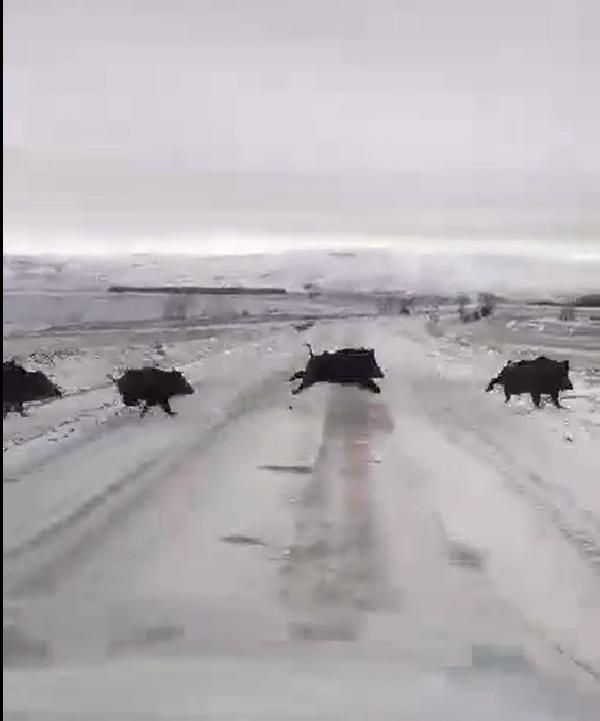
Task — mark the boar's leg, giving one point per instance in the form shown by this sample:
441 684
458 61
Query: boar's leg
16 406
536 397
7 408
507 395
370 385
166 406
554 396
145 407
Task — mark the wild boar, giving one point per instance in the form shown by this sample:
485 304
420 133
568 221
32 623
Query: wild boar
20 386
150 386
347 366
538 377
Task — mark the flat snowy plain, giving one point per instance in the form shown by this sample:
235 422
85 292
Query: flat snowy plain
427 553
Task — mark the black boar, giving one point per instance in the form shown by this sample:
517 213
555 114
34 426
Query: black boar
347 366
151 386
20 386
538 377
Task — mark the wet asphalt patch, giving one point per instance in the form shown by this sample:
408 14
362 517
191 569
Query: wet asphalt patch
461 554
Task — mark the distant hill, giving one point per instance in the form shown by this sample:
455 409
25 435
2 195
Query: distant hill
589 301
370 270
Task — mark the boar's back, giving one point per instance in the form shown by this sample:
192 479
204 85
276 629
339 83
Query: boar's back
542 375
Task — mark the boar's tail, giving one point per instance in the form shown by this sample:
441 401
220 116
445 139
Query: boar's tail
310 350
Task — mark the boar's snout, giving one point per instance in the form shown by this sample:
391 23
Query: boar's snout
188 389
180 384
377 372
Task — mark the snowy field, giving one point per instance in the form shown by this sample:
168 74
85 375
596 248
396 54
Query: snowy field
333 548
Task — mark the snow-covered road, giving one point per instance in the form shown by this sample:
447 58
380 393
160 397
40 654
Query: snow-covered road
430 525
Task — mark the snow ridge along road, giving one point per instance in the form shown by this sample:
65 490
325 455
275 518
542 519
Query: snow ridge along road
432 522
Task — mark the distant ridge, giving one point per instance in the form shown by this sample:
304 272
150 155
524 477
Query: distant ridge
196 290
590 301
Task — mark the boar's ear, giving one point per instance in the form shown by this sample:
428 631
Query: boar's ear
566 365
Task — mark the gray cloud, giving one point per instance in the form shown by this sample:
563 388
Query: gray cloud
126 119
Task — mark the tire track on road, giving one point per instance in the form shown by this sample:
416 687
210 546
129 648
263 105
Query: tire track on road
333 573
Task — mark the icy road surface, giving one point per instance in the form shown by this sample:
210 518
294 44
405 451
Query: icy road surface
268 556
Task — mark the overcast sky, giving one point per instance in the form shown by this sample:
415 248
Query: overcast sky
133 123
